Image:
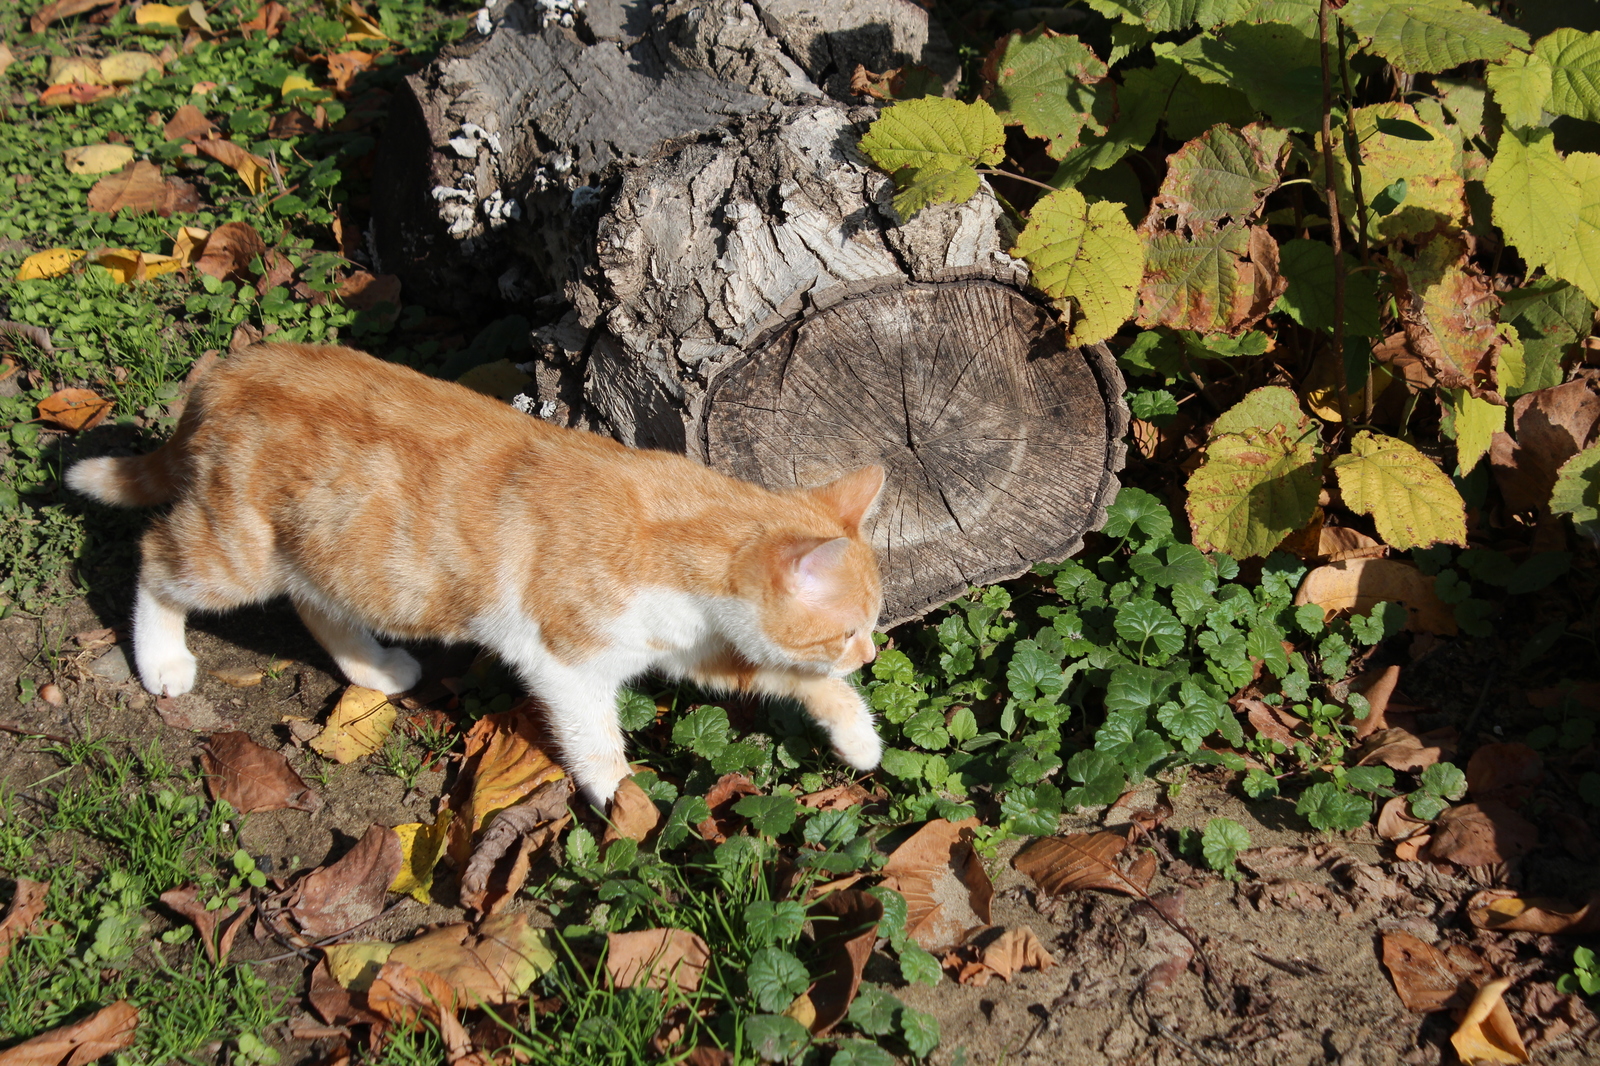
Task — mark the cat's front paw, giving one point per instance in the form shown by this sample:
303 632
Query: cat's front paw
858 744
394 671
172 676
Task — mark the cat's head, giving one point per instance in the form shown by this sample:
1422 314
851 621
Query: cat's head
818 590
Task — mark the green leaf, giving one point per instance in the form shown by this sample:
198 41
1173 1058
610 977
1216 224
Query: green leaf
1539 571
703 731
634 710
1194 715
1042 83
1033 670
775 978
1534 196
926 729
920 1031
872 1011
1202 282
1136 512
776 1037
770 922
1426 805
1308 267
1254 488
1574 61
1223 173
1445 780
906 765
856 1052
1368 778
1476 423
893 923
1272 405
1102 777
919 187
935 132
769 815
1184 563
1164 16
1144 623
1086 255
1222 842
917 966
1393 148
1276 65
1152 405
1136 688
687 812
1431 35
1326 807
1413 503
963 725
1577 489
1521 84
893 665
1550 317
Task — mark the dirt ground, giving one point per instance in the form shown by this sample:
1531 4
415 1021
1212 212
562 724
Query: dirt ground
1282 967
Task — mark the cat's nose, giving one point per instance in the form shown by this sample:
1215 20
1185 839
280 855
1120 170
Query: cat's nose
872 650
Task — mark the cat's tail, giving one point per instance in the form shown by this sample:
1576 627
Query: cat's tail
140 481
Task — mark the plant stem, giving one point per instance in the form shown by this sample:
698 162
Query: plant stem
1353 150
1015 177
1333 215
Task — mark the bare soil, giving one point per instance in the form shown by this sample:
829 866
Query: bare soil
1281 967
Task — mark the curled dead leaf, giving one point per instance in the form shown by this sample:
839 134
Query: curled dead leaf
27 904
1476 834
847 928
1502 911
655 957
947 891
74 409
1077 861
1486 1033
1426 978
358 725
632 815
514 837
140 189
503 763
186 901
1401 749
723 821
343 895
62 9
229 251
1504 771
1396 823
107 1030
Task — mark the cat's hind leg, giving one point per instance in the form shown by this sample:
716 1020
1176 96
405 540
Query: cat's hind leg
360 657
166 666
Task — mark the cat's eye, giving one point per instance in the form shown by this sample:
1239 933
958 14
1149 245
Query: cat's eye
851 635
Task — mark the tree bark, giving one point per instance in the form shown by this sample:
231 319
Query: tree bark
676 194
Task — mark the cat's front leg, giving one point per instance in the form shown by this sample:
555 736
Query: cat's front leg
583 722
836 704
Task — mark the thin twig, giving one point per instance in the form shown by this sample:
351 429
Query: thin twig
326 941
23 731
1015 177
1333 215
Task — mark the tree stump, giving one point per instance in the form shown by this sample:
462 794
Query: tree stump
675 193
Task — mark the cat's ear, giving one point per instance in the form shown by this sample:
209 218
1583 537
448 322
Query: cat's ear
854 496
817 575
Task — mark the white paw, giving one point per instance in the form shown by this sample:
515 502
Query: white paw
858 744
172 676
598 780
394 671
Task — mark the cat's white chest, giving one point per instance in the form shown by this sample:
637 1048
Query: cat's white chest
664 626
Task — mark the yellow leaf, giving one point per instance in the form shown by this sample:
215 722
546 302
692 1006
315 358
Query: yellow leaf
421 845
295 81
188 244
355 965
1477 421
6 58
158 15
1486 1033
360 27
124 68
51 263
802 1010
64 70
156 264
357 726
1412 502
122 262
195 15
98 158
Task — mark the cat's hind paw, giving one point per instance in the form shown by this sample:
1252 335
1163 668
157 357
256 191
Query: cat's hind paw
395 670
172 676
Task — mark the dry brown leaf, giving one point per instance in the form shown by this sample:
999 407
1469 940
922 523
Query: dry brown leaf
723 822
139 189
1271 722
1486 1033
632 815
503 764
494 963
499 864
336 1004
1076 861
189 124
238 676
408 997
344 66
267 19
1503 771
336 898
74 409
362 291
847 928
1358 585
946 888
1395 821
97 158
279 272
1502 911
1552 425
1339 543
1476 834
186 901
1016 950
76 92
1426 978
1401 749
12 334
27 903
251 777
63 9
229 251
653 957
107 1030
836 798
1378 688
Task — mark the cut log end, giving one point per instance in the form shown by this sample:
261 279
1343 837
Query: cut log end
1002 442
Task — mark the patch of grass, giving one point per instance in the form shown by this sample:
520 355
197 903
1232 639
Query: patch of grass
118 830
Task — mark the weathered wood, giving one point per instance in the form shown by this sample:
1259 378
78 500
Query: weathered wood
676 194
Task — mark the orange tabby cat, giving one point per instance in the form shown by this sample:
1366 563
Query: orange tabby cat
386 502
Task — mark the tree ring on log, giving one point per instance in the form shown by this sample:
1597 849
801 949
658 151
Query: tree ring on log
1002 442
